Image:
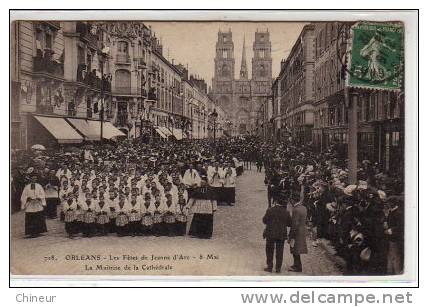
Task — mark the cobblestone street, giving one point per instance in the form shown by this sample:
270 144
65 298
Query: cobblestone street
237 246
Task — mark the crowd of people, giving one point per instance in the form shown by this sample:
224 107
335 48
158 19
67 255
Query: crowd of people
130 188
136 189
363 220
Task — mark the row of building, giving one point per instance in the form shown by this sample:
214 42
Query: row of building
308 101
67 76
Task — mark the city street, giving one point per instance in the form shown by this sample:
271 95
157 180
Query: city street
237 246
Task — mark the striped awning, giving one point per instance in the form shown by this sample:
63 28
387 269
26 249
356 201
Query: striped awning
60 129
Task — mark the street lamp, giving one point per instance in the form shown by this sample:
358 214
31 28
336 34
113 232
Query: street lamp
104 53
191 118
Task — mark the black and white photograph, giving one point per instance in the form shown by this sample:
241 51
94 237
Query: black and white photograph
208 148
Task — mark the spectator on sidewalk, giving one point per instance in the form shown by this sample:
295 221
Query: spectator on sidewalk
276 219
297 235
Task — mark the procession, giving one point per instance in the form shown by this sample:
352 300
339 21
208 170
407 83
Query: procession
128 190
293 166
141 190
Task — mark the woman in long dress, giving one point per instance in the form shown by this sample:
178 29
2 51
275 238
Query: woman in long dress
203 208
33 201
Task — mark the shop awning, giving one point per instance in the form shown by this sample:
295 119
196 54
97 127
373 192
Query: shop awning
91 129
109 131
161 134
166 131
82 125
60 129
178 133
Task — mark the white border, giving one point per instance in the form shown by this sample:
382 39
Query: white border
410 20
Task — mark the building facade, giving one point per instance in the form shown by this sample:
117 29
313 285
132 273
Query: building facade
294 92
241 98
59 71
380 113
85 71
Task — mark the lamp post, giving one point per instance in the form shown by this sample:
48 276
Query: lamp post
191 118
104 53
214 115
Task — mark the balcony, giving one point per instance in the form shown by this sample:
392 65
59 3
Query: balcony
44 109
55 25
86 36
91 79
45 64
140 63
126 91
152 94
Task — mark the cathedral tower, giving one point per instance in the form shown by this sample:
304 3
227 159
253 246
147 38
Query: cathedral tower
224 61
262 60
224 71
241 98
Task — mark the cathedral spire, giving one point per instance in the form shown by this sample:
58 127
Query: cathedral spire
243 74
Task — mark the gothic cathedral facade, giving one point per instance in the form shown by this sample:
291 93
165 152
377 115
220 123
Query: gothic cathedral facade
242 98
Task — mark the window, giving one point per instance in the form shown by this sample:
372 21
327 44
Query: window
262 71
80 55
123 80
122 52
372 107
224 54
48 41
367 109
385 105
225 72
339 115
359 110
395 138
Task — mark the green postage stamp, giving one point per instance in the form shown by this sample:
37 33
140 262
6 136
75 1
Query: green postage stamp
376 56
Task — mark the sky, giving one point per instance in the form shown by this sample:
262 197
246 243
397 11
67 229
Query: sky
193 43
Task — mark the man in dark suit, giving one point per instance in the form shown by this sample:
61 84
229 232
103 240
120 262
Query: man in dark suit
277 219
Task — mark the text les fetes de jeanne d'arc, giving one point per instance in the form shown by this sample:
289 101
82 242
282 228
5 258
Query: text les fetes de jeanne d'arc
151 262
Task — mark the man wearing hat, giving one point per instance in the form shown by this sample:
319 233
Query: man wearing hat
395 233
33 201
297 235
276 219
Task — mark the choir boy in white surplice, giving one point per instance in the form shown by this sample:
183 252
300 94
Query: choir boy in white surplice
159 210
214 177
229 183
103 213
63 172
89 207
62 194
192 180
169 215
134 215
122 219
69 208
147 210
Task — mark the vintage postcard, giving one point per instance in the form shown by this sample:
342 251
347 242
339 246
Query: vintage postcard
170 147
